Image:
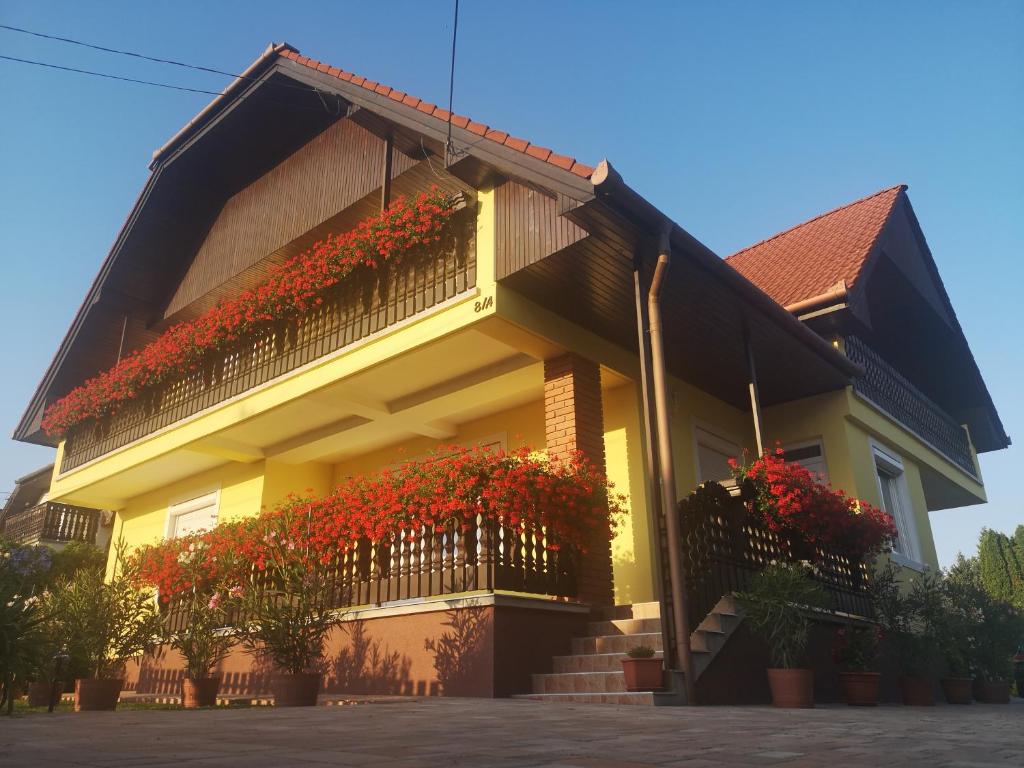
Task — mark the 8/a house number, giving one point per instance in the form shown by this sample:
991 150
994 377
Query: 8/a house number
486 303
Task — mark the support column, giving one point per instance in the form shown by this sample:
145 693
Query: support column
574 421
755 394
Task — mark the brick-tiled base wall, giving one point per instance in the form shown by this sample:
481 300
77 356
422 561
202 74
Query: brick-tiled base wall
574 421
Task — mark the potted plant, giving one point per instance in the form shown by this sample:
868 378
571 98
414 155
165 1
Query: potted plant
956 629
643 671
996 636
103 623
908 613
777 605
855 652
285 609
202 637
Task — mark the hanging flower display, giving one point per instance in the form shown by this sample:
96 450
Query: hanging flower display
292 288
451 491
794 503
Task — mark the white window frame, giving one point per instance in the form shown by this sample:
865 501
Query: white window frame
820 444
191 503
890 463
715 438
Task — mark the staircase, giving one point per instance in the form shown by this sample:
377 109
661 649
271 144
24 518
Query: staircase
592 674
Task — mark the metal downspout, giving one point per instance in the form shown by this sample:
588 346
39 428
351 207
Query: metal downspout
659 536
666 466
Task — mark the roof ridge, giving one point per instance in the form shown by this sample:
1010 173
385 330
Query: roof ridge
564 162
873 195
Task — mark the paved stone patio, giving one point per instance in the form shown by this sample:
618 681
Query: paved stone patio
504 733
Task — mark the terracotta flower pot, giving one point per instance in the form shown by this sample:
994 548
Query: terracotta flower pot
199 692
93 695
792 688
39 694
295 690
957 690
992 691
917 691
643 674
860 689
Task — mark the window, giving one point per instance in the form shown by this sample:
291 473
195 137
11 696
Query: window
895 498
713 454
198 514
809 455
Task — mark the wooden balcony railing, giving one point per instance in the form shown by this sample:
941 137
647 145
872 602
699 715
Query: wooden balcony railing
363 304
889 391
54 523
487 557
724 546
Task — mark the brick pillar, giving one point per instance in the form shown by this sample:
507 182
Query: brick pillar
573 421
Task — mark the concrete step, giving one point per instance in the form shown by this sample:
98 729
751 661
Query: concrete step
624 626
634 611
615 643
707 640
590 662
642 698
580 682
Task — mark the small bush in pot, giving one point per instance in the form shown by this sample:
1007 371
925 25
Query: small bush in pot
285 610
994 628
202 637
956 630
103 623
908 608
642 669
777 605
855 652
997 634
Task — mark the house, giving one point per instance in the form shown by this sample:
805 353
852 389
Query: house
569 315
29 517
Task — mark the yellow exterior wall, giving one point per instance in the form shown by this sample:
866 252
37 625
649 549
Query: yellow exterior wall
144 519
846 426
520 426
634 544
694 408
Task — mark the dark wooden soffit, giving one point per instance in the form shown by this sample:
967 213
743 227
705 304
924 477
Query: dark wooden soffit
590 282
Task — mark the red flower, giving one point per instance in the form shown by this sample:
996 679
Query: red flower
290 289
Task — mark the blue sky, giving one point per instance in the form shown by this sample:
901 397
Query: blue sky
739 119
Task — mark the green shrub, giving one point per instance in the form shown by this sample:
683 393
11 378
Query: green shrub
777 606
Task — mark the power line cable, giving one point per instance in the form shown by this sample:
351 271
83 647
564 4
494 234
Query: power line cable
134 54
108 76
336 111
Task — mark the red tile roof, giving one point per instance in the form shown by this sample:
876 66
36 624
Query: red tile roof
812 258
522 145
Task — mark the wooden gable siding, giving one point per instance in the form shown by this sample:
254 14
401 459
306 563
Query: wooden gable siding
528 228
334 170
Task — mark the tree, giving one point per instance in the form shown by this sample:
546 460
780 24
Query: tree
1001 567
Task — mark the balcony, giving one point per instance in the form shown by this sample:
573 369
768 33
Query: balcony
890 392
487 557
52 523
365 304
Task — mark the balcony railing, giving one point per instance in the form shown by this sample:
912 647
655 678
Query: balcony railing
52 522
360 306
487 557
889 391
724 546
